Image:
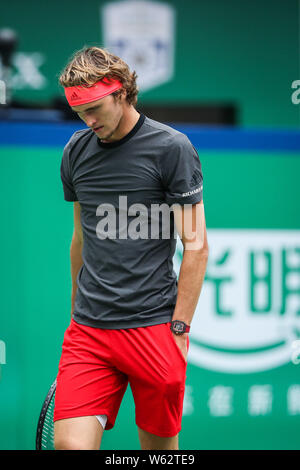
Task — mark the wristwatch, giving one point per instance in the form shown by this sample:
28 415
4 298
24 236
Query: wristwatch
178 327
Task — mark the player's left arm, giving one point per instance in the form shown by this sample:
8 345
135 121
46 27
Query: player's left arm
191 227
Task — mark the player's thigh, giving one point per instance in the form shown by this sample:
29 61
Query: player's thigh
80 433
150 441
158 384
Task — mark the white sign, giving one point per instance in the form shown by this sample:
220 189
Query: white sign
26 71
248 315
142 34
2 92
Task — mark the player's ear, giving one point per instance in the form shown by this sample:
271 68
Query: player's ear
120 95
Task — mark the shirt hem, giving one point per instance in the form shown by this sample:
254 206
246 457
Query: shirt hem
193 199
165 317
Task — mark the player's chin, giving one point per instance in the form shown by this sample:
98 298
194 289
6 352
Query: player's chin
106 137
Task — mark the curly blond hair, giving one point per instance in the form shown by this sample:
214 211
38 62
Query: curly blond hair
91 64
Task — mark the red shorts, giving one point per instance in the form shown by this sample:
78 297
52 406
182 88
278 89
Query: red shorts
97 364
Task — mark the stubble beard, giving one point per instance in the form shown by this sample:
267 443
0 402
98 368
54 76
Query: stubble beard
107 137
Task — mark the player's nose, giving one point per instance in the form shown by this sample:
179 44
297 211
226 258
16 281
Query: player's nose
90 121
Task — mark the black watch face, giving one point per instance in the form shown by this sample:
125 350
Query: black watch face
178 326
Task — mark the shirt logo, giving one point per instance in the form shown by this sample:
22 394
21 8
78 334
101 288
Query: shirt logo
195 191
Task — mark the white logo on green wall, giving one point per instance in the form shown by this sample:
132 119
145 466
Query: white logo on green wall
141 33
248 316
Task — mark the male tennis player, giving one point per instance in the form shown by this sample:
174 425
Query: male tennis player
130 318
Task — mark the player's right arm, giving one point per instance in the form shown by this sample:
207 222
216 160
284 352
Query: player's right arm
76 252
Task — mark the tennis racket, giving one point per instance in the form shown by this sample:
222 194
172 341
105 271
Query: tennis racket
45 428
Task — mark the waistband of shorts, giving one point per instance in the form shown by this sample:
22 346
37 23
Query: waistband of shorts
164 317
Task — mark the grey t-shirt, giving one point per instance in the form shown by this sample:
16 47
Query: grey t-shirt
127 278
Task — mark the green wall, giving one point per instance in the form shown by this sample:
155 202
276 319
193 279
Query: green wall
240 52
242 190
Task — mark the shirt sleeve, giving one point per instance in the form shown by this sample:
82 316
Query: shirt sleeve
182 172
65 173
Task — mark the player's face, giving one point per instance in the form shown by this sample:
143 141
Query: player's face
102 116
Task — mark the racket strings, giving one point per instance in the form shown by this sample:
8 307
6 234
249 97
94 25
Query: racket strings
47 440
